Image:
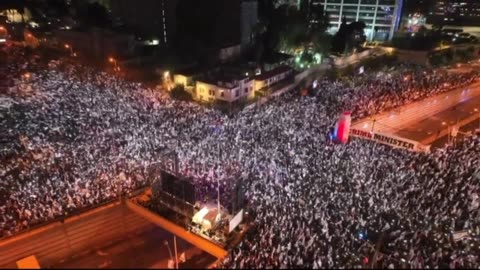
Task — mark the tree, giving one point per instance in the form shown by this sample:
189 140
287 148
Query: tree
340 38
356 35
258 35
288 28
322 43
422 30
58 7
349 37
179 93
437 27
94 14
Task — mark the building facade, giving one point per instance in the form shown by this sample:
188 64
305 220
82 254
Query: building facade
295 3
229 84
229 90
152 17
382 17
248 20
272 77
97 45
455 12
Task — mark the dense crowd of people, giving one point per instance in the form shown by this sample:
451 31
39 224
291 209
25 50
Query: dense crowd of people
73 137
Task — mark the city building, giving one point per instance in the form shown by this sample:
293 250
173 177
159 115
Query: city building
382 17
214 29
272 77
417 6
455 12
224 86
97 44
14 11
295 3
248 20
315 11
150 17
186 78
230 82
229 52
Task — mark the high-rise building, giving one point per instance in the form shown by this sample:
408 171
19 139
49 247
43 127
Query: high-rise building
248 20
296 3
315 12
417 6
455 12
152 17
382 17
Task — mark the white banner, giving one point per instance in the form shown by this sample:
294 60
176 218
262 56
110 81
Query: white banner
390 140
235 221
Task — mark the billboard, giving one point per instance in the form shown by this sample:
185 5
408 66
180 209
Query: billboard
237 219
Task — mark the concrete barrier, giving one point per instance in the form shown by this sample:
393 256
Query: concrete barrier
58 241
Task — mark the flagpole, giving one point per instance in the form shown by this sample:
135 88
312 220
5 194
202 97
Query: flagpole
176 256
218 183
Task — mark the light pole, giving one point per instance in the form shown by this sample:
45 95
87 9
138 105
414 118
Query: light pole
67 46
478 111
169 250
114 62
373 125
175 246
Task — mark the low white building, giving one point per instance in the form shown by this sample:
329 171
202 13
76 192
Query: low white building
224 87
272 77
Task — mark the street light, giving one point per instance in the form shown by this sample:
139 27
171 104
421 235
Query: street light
70 48
478 111
114 61
170 251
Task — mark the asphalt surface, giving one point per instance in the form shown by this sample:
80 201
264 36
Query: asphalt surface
143 250
471 127
425 128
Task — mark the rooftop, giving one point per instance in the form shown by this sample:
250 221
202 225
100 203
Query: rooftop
273 72
275 57
223 78
190 71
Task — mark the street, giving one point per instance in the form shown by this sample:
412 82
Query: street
144 250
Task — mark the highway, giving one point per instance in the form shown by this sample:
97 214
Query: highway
428 120
142 250
426 130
